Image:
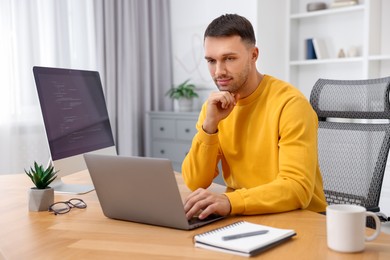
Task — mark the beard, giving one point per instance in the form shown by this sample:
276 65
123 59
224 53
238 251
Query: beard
237 81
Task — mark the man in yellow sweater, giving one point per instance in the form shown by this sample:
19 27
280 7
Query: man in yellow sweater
263 131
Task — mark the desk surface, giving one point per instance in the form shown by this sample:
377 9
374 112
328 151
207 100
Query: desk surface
88 233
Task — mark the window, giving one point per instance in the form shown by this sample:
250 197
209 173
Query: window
45 33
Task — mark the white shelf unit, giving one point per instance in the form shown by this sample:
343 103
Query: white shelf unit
363 27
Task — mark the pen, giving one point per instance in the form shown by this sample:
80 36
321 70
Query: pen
249 234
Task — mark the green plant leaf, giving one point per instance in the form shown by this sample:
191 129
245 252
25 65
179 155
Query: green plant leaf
41 177
183 90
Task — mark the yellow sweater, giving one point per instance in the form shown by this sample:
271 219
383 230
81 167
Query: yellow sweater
268 150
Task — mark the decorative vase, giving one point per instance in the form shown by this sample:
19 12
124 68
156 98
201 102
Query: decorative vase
185 104
40 199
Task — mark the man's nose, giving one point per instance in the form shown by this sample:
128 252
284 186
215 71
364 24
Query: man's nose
220 69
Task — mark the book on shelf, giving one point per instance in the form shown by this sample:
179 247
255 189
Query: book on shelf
320 48
310 52
243 238
343 3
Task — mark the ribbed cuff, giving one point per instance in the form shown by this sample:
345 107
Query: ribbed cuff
208 139
236 202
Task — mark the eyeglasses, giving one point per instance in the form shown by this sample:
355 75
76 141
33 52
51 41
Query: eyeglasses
63 207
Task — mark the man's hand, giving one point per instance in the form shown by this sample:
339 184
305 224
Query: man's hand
206 203
219 106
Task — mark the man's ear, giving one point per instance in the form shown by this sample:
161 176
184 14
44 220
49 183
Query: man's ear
255 54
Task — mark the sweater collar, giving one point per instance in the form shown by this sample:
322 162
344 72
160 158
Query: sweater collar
257 93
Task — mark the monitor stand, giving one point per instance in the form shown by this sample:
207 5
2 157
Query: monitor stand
61 187
73 165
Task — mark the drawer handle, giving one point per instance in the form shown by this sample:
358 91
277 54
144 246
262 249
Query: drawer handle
187 130
162 129
162 151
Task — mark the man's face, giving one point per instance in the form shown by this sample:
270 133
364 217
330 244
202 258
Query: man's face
229 61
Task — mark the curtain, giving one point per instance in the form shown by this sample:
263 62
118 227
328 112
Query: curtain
36 33
133 46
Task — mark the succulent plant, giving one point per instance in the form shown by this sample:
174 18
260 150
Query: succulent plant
41 177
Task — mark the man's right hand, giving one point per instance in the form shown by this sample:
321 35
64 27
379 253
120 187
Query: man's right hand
219 106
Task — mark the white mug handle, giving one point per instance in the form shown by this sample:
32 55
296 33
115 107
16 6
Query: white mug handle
377 226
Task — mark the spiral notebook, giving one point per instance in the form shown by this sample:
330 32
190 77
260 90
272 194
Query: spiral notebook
243 238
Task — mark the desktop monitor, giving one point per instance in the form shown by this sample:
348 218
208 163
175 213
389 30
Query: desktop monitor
76 121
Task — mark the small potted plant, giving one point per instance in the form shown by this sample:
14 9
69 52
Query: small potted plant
41 196
184 93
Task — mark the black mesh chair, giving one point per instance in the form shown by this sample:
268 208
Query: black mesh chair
353 139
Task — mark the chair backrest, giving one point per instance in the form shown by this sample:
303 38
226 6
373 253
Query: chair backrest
353 138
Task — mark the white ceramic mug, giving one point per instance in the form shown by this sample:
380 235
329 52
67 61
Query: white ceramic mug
346 227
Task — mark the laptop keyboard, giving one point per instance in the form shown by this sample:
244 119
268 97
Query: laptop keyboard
196 220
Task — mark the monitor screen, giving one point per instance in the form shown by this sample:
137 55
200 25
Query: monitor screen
74 113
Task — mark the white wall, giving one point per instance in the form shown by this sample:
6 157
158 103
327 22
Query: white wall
272 37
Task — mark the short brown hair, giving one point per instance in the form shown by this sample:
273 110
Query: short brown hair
230 25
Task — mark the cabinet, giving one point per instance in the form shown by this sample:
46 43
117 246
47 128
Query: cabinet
169 135
363 27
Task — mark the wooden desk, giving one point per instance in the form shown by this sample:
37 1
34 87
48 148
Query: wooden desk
87 233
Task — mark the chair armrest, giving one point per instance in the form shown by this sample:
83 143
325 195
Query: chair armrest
382 217
373 208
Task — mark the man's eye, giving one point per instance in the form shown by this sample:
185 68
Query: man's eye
211 61
230 58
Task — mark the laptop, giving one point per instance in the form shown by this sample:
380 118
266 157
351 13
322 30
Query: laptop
140 189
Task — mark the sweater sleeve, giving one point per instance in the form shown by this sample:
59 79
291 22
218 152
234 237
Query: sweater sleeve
200 166
294 184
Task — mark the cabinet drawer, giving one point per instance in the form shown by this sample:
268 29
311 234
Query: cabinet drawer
185 129
173 151
163 128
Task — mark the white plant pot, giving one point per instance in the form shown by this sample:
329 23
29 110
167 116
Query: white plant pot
40 200
185 104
